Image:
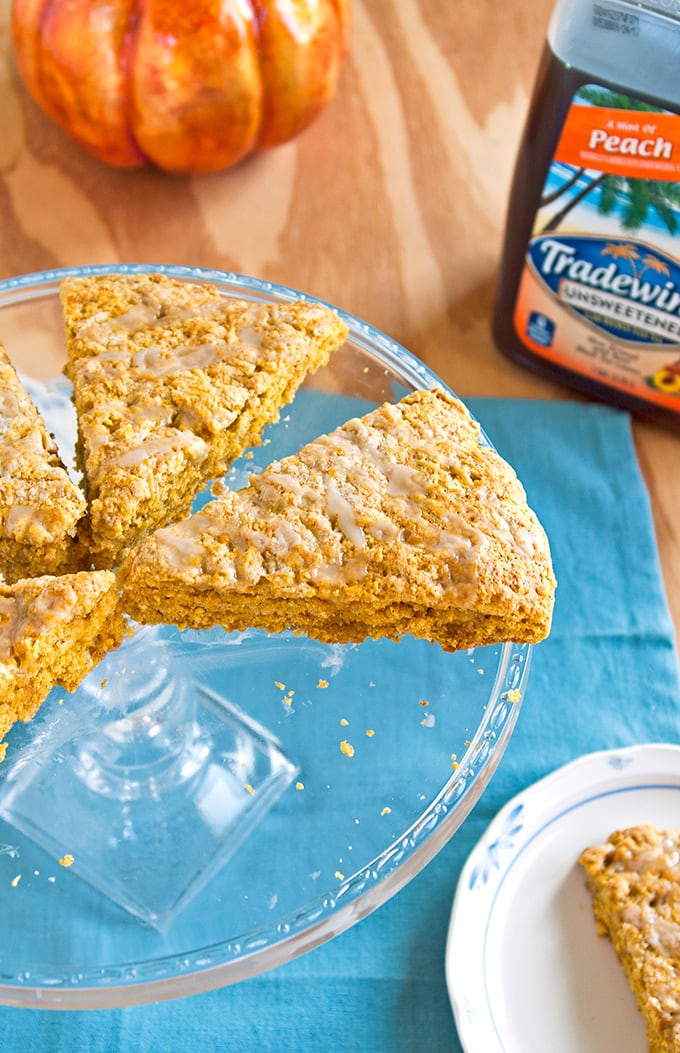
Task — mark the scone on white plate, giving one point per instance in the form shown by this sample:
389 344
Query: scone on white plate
634 880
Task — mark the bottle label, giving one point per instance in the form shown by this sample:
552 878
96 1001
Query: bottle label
600 288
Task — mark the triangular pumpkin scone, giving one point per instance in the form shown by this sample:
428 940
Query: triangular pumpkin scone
634 880
171 383
53 631
41 509
399 522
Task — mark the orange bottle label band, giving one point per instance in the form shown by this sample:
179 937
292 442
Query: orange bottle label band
637 145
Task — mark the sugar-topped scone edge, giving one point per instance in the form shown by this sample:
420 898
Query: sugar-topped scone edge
402 521
634 881
53 630
42 511
172 382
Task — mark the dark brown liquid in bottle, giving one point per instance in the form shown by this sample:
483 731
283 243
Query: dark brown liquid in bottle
556 86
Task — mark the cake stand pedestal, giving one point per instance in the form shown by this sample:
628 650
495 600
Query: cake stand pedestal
148 784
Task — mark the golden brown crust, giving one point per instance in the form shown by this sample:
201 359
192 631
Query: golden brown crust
171 383
53 630
42 524
401 522
634 880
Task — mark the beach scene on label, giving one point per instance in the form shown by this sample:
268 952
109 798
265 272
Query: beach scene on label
601 288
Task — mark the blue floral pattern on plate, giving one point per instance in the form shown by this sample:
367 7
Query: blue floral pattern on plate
499 847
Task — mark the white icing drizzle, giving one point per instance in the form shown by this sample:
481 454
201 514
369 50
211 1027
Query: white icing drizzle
145 418
384 530
10 404
22 520
182 549
664 855
186 441
342 512
663 935
403 481
21 449
250 336
662 862
339 573
20 618
150 312
276 481
457 537
31 472
138 316
8 606
157 362
346 491
122 361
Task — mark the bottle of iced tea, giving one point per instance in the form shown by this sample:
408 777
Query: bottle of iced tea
589 282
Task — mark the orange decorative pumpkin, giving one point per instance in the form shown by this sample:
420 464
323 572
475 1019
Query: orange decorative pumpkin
187 85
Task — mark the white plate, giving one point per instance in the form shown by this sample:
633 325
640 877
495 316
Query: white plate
525 968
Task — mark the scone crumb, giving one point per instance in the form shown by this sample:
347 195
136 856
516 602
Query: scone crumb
347 748
67 860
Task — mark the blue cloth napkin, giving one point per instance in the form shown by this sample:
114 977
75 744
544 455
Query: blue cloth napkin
607 677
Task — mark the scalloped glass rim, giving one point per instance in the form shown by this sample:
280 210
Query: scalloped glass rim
224 962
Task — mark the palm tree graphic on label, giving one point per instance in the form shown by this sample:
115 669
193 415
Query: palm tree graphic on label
631 254
635 198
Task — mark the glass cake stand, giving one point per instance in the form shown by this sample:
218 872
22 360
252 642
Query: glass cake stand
207 805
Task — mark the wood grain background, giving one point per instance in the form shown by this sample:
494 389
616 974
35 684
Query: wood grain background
391 205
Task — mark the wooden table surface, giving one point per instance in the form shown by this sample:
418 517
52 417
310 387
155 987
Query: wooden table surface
391 205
